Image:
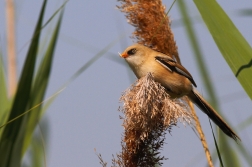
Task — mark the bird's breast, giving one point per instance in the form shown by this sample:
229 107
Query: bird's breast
176 85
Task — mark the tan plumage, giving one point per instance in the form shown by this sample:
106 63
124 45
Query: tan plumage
174 77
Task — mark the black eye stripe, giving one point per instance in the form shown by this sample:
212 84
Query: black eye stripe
131 51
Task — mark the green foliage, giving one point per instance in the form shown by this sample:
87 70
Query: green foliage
17 129
40 85
238 54
19 120
4 101
13 134
233 46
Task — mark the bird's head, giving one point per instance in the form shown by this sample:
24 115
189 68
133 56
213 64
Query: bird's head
135 54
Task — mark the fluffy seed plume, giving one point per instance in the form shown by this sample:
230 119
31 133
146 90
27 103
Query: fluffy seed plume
148 114
151 24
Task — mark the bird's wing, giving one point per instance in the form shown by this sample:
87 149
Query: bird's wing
173 66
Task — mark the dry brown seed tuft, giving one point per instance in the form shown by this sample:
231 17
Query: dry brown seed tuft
148 114
151 25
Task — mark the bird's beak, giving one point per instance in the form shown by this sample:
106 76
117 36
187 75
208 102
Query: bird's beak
124 55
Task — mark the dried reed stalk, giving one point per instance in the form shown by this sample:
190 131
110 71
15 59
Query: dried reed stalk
11 47
202 136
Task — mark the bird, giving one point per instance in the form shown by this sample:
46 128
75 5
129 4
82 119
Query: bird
175 78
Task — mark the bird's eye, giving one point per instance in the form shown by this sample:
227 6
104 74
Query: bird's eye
131 51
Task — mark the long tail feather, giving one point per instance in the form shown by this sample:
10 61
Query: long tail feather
197 99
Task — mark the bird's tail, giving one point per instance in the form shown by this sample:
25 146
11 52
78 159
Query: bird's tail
197 99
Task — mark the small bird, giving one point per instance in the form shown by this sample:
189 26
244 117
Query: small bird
173 77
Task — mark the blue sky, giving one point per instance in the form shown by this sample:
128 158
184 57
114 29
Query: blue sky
85 115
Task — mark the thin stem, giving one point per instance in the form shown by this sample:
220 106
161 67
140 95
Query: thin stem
11 47
202 136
